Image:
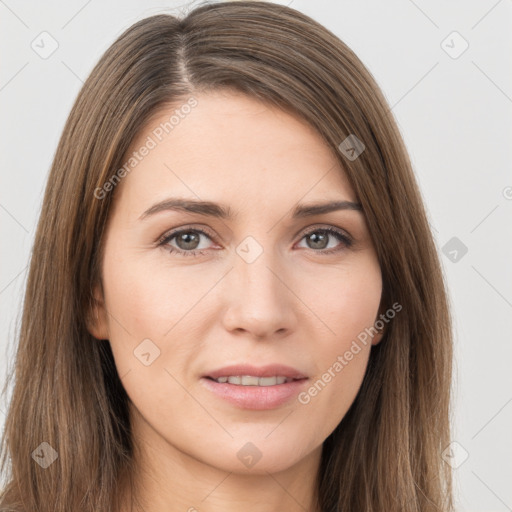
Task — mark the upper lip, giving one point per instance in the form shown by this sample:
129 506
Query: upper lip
270 370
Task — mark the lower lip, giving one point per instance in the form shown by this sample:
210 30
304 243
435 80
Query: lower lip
258 398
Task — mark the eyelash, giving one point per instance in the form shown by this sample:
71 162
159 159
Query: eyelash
346 240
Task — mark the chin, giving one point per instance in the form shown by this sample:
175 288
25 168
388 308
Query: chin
259 456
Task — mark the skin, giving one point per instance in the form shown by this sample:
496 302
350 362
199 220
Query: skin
294 305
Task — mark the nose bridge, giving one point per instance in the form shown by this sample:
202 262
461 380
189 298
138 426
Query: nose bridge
258 299
254 271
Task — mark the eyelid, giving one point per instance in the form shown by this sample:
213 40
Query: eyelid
327 227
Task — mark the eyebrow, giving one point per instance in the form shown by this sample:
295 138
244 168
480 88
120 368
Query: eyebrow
211 209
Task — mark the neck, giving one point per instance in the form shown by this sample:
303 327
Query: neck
167 479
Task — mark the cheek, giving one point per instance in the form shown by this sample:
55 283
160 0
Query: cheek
348 308
345 301
357 304
149 300
145 304
153 321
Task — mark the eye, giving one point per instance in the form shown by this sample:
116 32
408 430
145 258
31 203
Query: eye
188 240
318 239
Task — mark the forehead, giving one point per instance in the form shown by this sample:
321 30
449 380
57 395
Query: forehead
230 147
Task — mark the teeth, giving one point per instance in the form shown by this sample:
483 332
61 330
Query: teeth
247 380
251 380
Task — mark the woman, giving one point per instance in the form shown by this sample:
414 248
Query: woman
234 299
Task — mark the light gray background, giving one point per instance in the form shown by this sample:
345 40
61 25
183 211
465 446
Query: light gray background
455 117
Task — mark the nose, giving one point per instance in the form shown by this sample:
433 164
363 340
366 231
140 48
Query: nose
258 299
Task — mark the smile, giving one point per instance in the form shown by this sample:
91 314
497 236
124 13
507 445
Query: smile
251 380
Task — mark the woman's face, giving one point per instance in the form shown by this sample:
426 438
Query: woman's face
189 292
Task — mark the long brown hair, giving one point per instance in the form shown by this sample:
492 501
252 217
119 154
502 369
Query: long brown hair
386 452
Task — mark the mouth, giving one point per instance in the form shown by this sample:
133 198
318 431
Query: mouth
253 380
248 387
